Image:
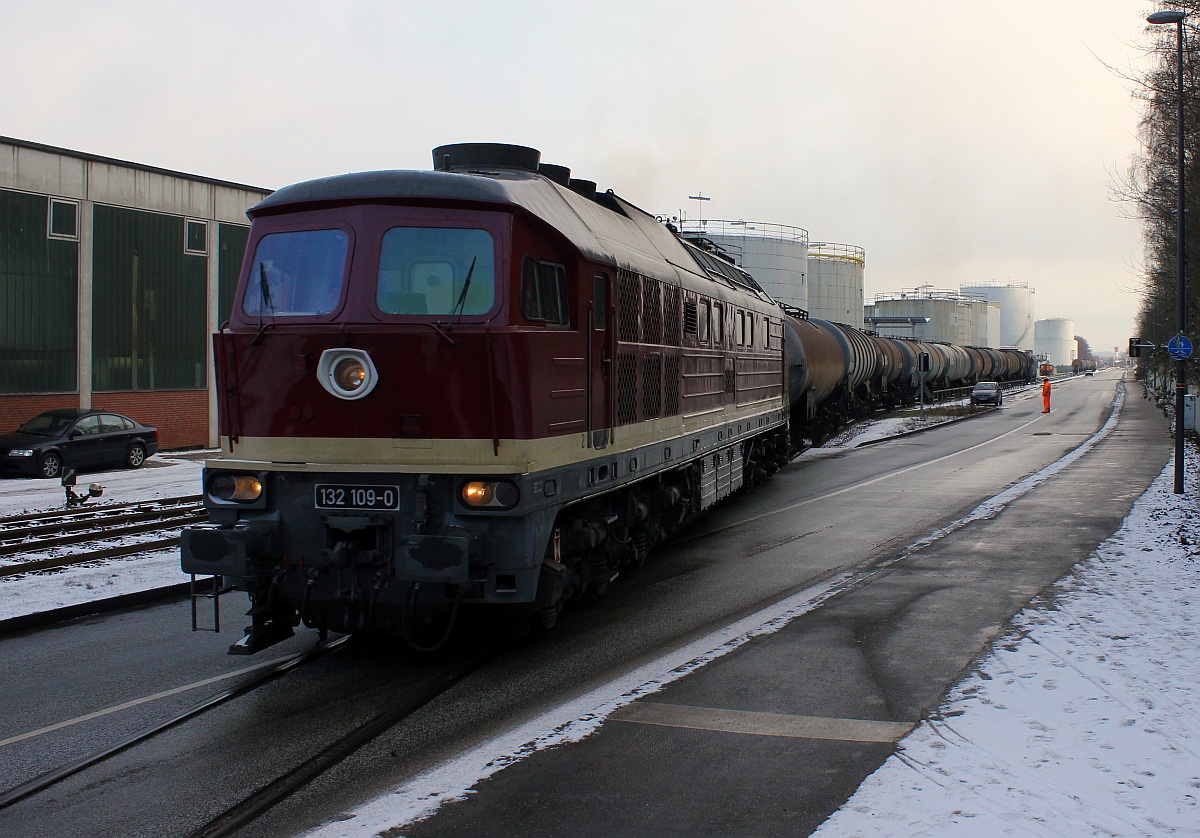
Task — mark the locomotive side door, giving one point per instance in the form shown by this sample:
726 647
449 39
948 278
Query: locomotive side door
600 364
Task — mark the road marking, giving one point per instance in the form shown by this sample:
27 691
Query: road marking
116 708
761 724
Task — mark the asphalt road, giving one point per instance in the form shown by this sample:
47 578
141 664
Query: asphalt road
884 652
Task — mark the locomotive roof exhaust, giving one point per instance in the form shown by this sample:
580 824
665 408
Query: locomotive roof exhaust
466 156
559 174
586 188
486 155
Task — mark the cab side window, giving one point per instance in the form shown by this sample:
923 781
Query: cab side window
544 293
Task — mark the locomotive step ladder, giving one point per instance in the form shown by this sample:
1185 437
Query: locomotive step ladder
207 587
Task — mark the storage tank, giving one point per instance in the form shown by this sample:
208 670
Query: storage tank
993 333
1054 338
1016 310
835 282
929 314
776 255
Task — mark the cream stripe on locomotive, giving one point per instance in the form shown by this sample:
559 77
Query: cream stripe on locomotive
476 456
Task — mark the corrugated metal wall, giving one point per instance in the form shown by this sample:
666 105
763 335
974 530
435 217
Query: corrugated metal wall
38 297
149 303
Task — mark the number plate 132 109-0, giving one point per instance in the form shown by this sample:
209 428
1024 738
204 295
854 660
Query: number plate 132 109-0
341 496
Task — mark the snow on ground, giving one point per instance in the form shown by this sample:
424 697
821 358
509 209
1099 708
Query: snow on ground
174 474
1084 720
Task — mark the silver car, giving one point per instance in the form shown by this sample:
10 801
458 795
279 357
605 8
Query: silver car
987 392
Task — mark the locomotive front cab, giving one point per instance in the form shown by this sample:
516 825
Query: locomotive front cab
377 422
463 387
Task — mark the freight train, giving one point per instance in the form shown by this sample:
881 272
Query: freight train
493 384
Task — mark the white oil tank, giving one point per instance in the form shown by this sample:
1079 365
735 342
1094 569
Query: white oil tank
1016 311
776 255
927 313
835 282
993 333
1054 338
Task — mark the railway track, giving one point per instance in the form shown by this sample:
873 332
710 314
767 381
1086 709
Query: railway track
264 799
57 775
52 540
273 790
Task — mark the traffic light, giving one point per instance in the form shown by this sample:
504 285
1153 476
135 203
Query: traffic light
1135 347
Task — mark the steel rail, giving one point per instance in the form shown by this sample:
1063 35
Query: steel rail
270 795
96 521
57 775
56 562
166 521
96 511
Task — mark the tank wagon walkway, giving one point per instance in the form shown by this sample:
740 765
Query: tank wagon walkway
774 736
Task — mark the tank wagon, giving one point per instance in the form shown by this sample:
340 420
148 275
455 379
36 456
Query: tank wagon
492 384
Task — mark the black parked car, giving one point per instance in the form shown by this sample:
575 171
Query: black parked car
74 438
987 392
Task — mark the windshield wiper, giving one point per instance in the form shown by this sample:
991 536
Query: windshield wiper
462 297
264 293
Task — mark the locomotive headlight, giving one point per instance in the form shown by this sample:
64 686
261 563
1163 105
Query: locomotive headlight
241 488
347 373
490 494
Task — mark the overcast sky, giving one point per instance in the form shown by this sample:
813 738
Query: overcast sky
954 142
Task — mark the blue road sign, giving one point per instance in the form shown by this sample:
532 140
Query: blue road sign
1179 347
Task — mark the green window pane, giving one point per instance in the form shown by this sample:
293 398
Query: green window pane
149 303
64 218
38 299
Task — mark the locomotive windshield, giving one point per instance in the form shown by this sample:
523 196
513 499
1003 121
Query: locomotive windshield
424 270
296 274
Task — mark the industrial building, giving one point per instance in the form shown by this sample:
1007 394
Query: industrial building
1016 310
823 278
930 314
835 282
776 255
113 276
1054 340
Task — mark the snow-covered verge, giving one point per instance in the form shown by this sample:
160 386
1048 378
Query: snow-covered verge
163 476
1083 720
173 474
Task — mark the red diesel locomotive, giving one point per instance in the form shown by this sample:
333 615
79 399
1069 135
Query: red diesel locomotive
488 383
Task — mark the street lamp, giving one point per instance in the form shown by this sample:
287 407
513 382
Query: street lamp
1176 17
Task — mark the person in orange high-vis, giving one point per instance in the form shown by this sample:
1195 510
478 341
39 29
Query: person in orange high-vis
1046 394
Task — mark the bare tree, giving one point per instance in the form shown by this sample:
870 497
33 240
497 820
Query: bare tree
1151 183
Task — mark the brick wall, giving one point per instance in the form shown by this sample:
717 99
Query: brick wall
181 416
17 410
